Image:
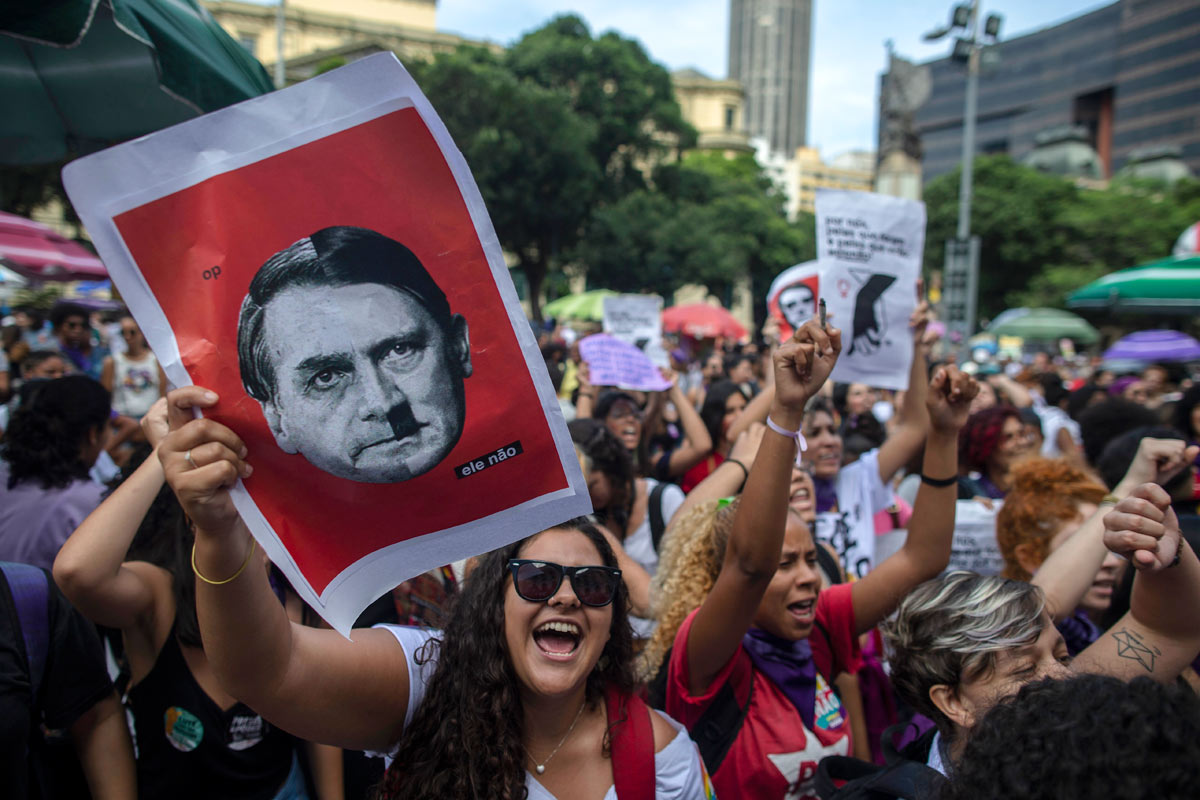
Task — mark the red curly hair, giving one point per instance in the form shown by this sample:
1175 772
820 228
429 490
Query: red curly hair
980 437
1046 492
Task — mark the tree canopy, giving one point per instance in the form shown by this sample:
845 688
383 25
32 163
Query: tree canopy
1041 236
555 129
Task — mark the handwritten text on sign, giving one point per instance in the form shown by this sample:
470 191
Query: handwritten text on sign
613 362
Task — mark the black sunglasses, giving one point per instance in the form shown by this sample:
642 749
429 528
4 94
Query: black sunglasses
538 581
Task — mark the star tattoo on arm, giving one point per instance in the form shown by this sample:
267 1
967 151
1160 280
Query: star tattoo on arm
1131 646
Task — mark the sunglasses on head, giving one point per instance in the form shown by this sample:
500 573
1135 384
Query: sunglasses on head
538 581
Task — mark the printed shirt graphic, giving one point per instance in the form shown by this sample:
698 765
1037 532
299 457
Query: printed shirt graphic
774 755
851 529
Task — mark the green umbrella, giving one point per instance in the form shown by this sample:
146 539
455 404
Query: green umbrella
80 75
586 306
1170 286
1046 324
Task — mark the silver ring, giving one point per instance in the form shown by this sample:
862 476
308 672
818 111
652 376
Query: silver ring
188 457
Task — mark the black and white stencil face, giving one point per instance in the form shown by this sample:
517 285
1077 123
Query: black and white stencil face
870 316
797 304
368 385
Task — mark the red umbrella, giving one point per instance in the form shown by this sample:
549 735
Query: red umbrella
41 253
702 321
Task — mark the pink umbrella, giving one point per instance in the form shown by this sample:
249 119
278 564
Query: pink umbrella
39 252
702 321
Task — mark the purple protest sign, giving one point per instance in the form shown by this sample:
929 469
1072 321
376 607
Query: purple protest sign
613 362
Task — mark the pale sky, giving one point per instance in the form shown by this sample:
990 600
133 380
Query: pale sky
848 42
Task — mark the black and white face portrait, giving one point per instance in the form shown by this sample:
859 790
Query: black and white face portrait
365 381
797 304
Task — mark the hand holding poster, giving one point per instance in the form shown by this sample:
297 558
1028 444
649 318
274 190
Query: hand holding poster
612 362
792 298
320 258
870 247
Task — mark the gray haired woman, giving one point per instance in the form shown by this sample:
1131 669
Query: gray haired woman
962 642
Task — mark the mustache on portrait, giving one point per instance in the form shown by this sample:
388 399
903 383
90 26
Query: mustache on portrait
403 423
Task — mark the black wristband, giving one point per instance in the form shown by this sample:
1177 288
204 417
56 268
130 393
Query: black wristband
1178 553
745 472
939 483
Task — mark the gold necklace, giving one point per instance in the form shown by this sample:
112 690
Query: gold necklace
541 768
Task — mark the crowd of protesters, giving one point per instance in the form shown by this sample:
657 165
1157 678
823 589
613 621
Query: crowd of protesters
764 602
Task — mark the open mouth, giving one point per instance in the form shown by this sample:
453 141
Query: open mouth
803 611
558 639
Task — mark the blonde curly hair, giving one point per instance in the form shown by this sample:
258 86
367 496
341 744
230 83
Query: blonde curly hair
692 554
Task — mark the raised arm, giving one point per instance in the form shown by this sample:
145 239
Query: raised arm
912 421
91 569
585 398
1160 635
926 550
1067 574
313 683
697 444
801 365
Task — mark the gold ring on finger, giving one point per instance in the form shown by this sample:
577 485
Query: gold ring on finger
188 457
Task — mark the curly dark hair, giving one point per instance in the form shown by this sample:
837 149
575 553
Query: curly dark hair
712 411
465 741
1087 736
47 431
980 437
608 455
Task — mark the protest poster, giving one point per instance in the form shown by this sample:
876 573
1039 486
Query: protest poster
870 247
637 319
321 258
975 546
792 298
613 362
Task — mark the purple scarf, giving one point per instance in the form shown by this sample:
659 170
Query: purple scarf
827 498
789 665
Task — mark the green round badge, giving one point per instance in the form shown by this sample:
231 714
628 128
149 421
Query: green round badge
184 731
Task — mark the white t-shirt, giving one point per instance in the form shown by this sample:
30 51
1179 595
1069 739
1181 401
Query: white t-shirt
851 529
640 545
1053 420
678 770
135 384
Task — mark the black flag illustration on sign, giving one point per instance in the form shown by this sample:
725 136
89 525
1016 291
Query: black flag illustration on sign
870 321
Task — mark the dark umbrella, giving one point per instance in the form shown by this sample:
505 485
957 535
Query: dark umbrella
82 74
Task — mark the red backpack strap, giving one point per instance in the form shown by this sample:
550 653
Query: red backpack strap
632 743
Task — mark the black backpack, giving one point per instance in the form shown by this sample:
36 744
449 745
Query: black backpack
906 775
658 525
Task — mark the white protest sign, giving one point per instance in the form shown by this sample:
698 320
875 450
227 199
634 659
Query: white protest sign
612 362
321 258
975 546
637 319
792 298
870 247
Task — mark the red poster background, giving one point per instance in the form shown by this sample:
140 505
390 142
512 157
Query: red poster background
387 175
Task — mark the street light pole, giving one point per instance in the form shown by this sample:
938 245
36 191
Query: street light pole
965 186
280 18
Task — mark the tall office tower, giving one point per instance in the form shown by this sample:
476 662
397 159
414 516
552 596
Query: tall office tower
770 47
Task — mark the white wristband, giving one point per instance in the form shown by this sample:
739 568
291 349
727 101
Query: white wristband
795 436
